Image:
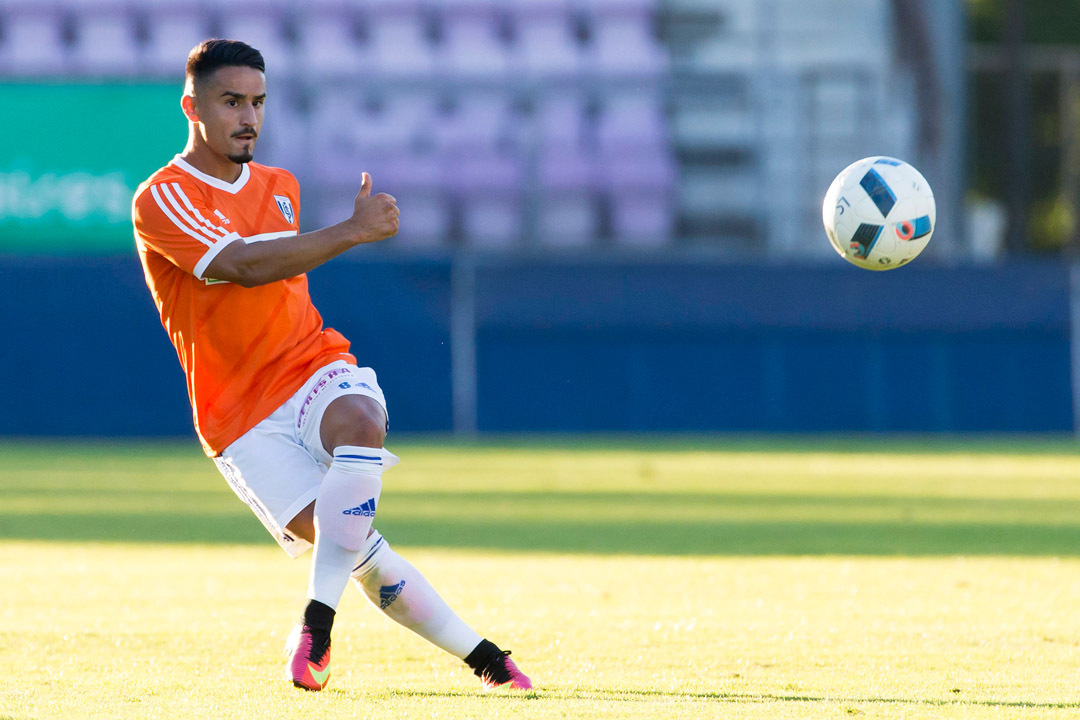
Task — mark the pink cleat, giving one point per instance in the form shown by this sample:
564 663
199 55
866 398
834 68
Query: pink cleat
309 661
503 672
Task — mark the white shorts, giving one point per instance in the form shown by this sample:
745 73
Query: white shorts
278 466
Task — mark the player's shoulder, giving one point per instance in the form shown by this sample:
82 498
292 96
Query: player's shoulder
269 171
166 174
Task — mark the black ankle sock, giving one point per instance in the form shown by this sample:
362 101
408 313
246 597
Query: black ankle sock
483 655
318 616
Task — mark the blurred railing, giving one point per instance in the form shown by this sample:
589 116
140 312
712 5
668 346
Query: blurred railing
1055 220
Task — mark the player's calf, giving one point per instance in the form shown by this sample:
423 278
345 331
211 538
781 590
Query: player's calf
398 589
344 510
349 496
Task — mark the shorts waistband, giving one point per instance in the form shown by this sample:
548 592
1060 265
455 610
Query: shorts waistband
321 384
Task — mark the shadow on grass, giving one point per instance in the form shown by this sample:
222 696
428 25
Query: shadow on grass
608 523
147 493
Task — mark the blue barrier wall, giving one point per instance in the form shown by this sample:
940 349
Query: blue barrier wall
596 347
832 348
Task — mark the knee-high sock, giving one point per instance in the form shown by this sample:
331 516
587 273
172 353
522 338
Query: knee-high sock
397 588
344 511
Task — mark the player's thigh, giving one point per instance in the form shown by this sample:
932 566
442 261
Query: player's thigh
303 524
275 476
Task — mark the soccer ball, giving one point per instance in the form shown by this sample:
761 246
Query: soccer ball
879 213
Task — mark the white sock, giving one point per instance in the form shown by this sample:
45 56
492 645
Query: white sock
397 588
344 511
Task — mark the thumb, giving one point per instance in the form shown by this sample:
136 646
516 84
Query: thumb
365 186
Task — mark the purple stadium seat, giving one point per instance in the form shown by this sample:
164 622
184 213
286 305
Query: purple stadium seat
487 188
334 120
105 39
33 38
631 121
567 213
391 137
482 172
352 134
479 120
623 43
640 189
261 24
546 45
471 44
560 120
638 168
173 28
349 124
474 171
326 36
399 121
397 38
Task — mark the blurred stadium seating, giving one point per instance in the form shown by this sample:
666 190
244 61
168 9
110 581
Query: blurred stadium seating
576 179
509 125
611 239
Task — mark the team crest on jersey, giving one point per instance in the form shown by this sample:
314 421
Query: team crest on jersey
285 206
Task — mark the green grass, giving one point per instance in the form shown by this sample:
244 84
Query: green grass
637 578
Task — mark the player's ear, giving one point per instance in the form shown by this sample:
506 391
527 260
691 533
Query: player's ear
187 103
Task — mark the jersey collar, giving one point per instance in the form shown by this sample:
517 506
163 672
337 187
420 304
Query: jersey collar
232 188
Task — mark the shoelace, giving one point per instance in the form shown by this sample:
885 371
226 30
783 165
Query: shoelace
320 643
496 670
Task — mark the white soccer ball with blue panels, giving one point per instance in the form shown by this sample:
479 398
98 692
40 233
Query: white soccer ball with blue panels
879 213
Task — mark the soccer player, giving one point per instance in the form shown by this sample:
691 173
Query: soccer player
292 423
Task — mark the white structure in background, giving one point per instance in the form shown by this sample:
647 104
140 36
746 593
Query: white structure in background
801 88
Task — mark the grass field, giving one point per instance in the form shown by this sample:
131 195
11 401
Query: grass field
637 578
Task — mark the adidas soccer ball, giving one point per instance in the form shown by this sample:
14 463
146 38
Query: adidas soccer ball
879 213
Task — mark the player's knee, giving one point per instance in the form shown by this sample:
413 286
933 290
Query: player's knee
355 420
366 431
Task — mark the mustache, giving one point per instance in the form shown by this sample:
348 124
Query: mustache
246 131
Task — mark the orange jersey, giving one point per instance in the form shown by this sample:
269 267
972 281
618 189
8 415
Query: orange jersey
245 350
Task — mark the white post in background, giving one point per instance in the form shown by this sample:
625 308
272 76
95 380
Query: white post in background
463 344
1074 341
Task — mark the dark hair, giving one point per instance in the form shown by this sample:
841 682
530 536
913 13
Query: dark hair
211 55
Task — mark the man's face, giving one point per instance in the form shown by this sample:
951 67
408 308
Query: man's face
229 105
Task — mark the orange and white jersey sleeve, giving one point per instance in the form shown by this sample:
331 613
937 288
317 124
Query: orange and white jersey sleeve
177 225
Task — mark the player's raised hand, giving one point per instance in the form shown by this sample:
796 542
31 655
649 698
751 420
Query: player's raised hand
375 217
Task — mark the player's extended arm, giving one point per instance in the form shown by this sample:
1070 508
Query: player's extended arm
374 218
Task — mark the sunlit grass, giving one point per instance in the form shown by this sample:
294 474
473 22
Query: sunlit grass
632 579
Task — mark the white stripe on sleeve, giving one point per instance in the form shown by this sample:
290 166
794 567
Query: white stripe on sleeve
195 211
169 214
211 253
270 236
166 192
